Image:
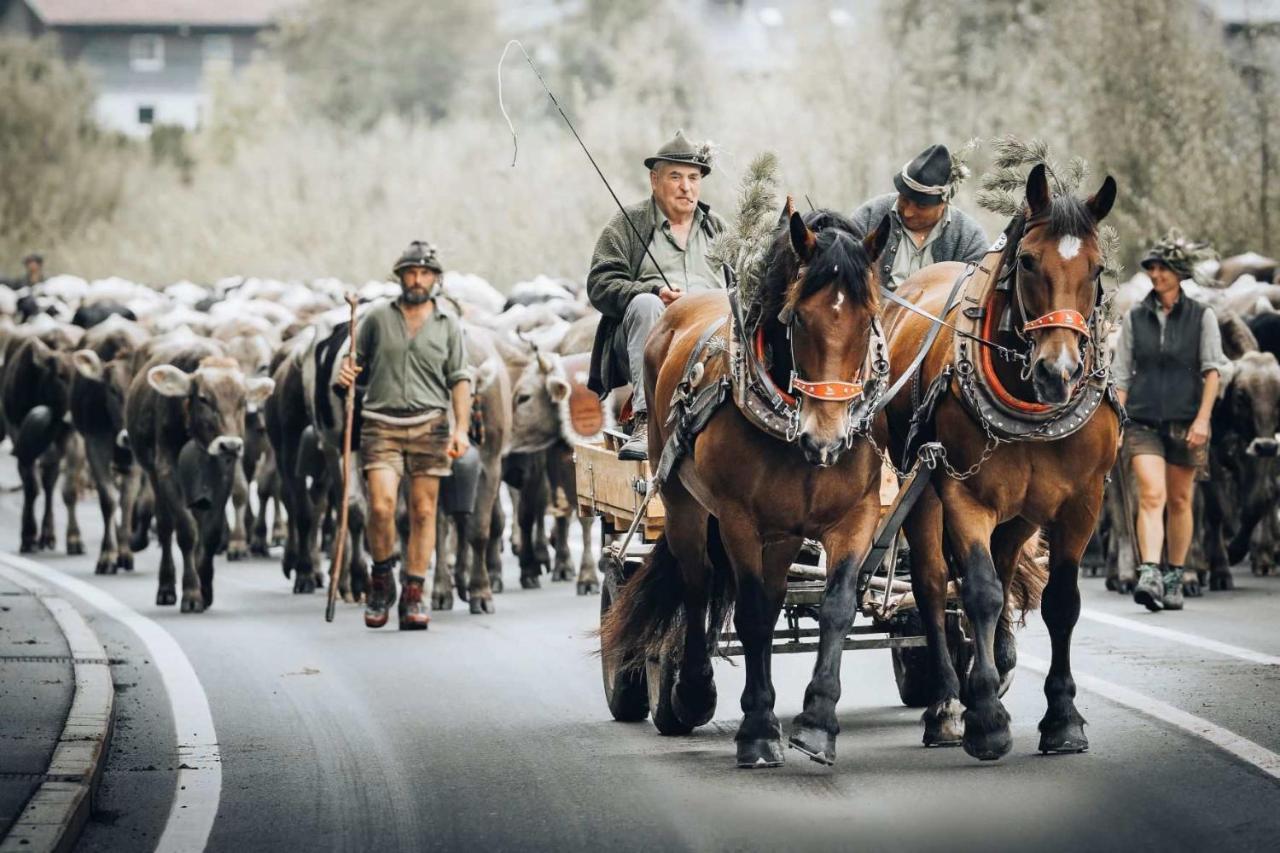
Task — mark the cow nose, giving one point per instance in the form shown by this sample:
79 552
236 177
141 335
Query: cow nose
226 445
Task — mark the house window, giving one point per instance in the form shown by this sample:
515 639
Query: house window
146 52
146 115
218 49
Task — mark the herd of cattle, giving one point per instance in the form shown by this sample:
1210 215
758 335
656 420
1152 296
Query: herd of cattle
172 404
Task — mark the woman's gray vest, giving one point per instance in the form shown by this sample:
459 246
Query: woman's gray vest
1167 382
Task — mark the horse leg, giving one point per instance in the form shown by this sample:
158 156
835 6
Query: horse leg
814 730
761 589
1062 729
1006 548
943 724
969 525
693 693
588 577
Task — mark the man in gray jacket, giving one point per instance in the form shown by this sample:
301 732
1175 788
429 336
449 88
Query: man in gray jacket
648 256
926 227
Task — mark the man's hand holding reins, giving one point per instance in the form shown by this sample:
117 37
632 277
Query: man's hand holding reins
667 295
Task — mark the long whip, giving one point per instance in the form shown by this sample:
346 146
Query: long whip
515 146
340 535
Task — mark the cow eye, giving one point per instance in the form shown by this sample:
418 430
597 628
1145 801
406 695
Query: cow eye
522 399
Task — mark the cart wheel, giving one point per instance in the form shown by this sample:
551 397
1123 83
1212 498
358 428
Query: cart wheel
626 693
662 681
911 665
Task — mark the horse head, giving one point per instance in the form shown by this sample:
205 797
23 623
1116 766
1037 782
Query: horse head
1057 284
820 309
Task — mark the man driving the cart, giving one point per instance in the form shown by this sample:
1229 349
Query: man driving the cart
648 256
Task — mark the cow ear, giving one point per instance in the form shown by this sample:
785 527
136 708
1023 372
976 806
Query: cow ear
486 373
87 364
169 381
558 388
257 390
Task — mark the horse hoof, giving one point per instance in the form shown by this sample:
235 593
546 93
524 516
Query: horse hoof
495 582
1063 737
481 606
760 753
694 702
530 582
442 601
944 724
1221 582
588 587
304 583
192 602
987 746
817 744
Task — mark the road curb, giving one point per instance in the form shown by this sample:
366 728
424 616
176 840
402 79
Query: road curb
56 813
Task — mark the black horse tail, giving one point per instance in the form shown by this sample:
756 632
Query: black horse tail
648 609
647 618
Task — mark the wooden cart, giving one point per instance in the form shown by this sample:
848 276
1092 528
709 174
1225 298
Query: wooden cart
616 490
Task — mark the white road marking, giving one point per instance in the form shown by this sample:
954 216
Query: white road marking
199 783
1202 643
1243 748
1069 247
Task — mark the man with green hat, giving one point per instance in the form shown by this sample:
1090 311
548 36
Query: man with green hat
648 256
1166 368
925 227
411 363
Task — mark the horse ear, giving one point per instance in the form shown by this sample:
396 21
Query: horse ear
802 239
1100 203
1038 197
874 242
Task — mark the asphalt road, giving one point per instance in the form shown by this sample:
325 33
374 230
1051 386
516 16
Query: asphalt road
491 733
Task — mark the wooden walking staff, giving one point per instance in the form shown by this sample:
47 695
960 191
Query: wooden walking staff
340 535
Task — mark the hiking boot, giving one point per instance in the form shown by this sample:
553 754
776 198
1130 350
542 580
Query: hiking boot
1150 589
382 594
414 612
637 446
1173 589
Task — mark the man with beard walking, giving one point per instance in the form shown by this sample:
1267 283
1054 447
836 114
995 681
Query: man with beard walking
411 363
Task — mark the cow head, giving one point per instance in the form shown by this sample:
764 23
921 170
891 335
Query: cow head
536 398
1252 400
216 397
112 376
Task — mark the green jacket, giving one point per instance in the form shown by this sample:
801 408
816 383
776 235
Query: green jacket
613 280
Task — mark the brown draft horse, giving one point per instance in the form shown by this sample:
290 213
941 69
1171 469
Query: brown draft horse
982 522
738 509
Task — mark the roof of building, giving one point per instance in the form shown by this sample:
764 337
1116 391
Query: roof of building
172 13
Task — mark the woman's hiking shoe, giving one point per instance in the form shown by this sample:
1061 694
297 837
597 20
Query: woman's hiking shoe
1173 589
1150 589
414 613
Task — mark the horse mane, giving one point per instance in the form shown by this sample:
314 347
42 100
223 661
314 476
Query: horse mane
838 257
1069 216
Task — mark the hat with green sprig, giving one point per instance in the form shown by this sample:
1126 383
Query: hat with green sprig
1180 255
680 150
